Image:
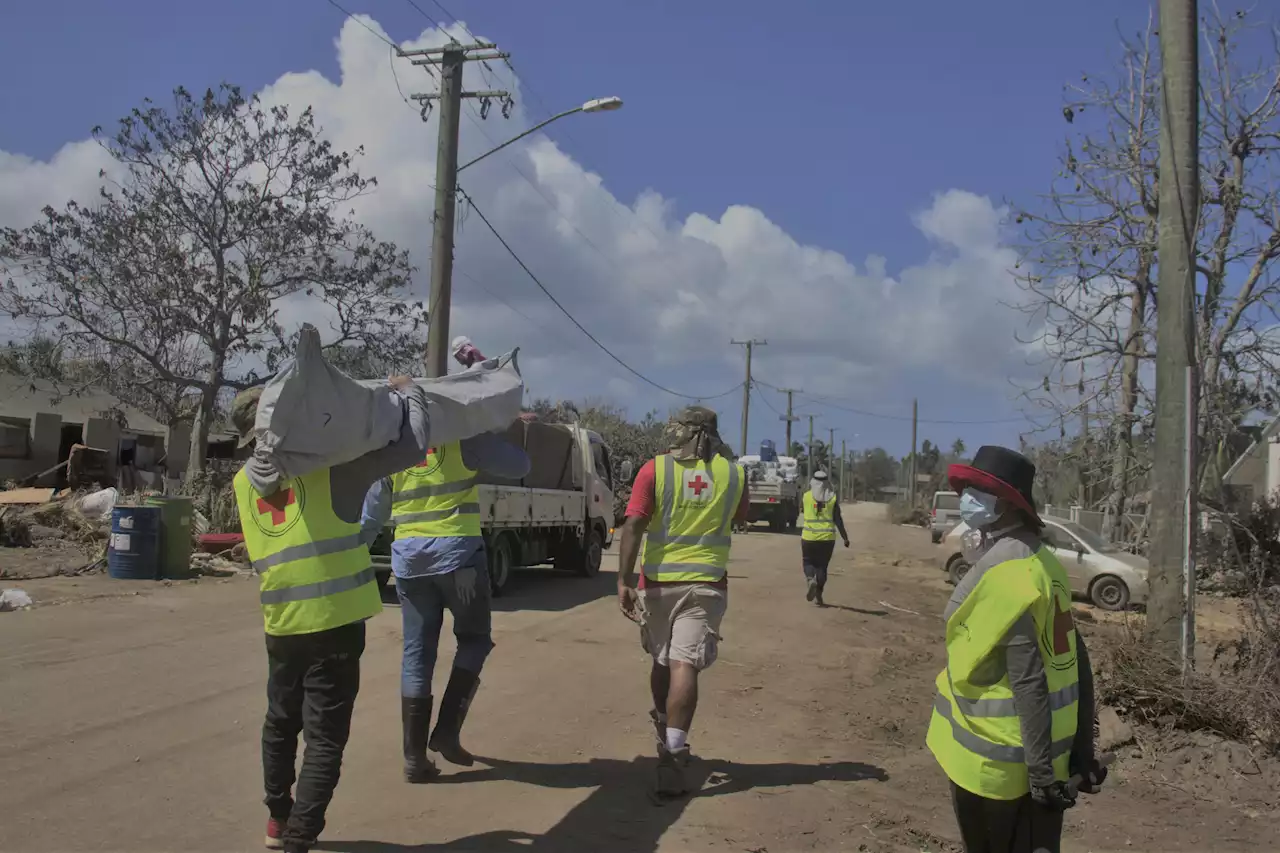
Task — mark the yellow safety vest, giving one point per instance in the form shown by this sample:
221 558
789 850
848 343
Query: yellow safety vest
819 524
697 501
974 731
315 572
436 497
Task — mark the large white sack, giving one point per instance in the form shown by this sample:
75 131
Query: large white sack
312 415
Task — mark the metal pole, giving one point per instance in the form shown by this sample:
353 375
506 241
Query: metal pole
1173 486
844 468
451 63
789 418
533 129
1189 530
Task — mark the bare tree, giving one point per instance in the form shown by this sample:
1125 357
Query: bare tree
189 274
1091 257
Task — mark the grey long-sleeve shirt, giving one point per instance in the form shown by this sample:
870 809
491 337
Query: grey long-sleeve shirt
1019 656
350 481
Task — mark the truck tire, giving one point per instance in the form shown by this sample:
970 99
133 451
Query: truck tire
501 565
777 520
793 517
585 556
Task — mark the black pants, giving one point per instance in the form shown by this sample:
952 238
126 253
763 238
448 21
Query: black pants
1006 826
816 556
312 682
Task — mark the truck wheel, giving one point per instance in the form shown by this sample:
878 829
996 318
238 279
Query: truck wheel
793 517
585 557
777 521
501 563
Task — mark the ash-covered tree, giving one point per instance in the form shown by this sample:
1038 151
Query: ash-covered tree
222 225
1091 252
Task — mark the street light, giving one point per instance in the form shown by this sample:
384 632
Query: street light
598 105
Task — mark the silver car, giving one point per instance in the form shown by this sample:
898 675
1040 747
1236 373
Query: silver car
1111 578
944 515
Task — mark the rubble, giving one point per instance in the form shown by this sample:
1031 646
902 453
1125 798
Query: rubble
14 599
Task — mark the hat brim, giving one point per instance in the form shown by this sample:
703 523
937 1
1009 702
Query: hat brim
245 440
963 477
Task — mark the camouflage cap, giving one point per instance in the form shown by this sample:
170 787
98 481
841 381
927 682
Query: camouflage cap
244 411
693 432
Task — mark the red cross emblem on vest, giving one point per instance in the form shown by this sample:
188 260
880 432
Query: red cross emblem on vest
275 505
431 451
698 484
1063 625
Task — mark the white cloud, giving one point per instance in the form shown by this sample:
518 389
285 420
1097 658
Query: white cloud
665 294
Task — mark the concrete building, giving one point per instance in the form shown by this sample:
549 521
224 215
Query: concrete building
39 422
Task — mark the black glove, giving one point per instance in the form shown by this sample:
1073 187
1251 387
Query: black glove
1057 796
846 543
1092 775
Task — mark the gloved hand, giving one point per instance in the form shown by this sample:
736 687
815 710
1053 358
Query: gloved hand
846 543
1057 796
465 578
1092 774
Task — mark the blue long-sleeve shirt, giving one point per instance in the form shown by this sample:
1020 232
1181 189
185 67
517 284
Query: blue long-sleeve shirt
420 556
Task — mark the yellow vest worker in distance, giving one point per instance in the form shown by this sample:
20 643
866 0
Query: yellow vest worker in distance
1013 710
822 520
687 500
317 589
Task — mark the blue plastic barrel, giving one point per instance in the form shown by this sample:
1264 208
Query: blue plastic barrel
135 543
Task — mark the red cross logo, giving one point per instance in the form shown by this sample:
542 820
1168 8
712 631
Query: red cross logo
431 451
275 505
698 484
1063 624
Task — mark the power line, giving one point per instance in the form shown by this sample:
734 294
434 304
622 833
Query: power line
573 319
335 5
818 400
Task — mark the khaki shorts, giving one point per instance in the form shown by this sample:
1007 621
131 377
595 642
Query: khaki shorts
681 622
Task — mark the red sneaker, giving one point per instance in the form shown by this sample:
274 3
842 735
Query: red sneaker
275 833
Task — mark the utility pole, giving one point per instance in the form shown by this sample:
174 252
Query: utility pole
1170 608
844 467
809 467
1083 499
831 451
911 486
746 386
449 61
789 417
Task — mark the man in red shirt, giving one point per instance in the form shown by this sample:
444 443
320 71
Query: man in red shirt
680 618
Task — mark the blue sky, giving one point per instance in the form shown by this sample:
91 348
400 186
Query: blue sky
839 122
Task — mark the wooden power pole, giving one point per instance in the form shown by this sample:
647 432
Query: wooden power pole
809 467
746 387
449 61
911 486
1171 605
789 417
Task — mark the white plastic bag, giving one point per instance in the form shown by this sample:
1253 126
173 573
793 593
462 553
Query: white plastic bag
14 599
312 415
98 505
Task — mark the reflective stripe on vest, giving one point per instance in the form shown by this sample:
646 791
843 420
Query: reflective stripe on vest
697 500
315 573
436 497
974 732
819 524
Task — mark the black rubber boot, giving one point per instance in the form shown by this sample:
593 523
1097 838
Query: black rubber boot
415 717
453 712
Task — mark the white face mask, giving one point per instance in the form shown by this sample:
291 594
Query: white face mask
978 509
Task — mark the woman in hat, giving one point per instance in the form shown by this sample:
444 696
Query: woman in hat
1013 713
818 539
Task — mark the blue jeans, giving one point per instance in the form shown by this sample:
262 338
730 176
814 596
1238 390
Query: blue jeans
422 604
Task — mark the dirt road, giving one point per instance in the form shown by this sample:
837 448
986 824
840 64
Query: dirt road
132 722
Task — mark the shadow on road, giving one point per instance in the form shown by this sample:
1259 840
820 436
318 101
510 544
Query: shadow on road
548 589
619 815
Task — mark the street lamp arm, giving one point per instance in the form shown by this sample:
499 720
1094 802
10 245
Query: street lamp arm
533 129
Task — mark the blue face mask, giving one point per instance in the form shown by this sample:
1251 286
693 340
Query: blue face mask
978 509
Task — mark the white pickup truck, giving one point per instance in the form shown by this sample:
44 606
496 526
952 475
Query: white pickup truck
560 513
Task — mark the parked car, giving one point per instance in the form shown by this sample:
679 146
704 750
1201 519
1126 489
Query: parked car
945 514
1111 578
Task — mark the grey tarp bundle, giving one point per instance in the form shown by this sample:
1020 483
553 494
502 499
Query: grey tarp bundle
312 415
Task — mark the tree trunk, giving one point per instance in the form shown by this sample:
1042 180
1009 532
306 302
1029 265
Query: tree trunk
1122 452
200 432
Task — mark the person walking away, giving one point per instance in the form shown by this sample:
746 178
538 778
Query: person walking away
696 493
818 539
317 589
439 562
1013 713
